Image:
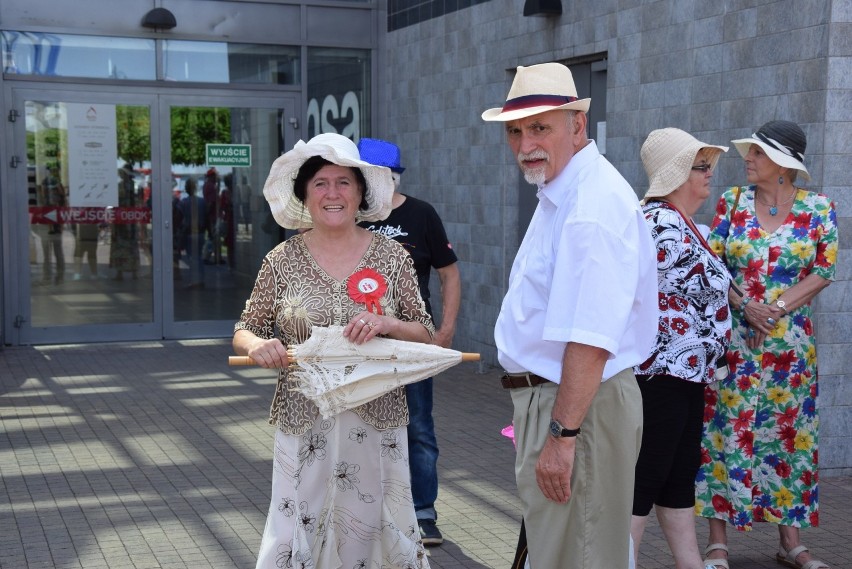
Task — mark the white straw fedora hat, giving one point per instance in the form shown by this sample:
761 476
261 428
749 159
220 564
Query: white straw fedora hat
538 89
784 143
290 212
668 155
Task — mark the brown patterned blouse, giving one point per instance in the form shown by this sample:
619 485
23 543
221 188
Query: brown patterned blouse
293 293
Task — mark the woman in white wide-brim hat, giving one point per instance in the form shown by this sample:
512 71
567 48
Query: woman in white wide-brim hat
341 489
692 337
779 242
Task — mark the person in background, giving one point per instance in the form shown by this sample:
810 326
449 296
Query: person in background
580 311
341 489
245 196
416 225
210 192
86 246
227 219
177 235
693 335
759 449
193 214
52 192
124 237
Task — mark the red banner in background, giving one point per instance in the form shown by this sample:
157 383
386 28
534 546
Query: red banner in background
51 215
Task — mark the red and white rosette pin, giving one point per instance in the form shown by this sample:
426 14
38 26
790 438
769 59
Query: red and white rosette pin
366 287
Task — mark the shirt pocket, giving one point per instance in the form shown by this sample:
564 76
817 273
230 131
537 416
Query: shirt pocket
537 279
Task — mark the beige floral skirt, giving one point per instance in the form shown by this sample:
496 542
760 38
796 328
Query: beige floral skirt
341 498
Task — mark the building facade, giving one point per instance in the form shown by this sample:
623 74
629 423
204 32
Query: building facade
716 69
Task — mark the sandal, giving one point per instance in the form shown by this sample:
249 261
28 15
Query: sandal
788 558
723 563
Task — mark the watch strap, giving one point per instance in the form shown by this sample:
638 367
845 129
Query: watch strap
557 430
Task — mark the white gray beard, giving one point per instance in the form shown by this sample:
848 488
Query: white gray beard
535 176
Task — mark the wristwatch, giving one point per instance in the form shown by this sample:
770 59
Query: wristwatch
558 431
781 304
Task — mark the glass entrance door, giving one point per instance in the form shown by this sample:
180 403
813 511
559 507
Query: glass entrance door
219 154
112 248
89 267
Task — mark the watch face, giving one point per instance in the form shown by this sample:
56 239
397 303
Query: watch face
555 429
780 303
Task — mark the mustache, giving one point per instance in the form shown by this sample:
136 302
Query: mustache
536 155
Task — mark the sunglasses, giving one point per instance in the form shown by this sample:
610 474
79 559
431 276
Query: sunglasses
703 168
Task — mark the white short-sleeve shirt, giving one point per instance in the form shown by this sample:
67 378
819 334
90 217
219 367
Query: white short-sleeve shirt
585 273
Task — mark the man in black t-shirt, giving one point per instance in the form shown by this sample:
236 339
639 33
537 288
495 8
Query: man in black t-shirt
415 224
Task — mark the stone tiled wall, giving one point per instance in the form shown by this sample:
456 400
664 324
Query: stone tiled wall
716 69
834 321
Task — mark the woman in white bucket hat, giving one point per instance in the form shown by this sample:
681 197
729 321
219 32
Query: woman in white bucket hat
341 488
779 242
693 335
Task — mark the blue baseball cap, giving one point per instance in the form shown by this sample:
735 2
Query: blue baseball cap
380 153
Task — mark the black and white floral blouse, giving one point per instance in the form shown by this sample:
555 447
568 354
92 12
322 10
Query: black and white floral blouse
695 322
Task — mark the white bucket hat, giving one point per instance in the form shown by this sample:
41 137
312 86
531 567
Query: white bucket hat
538 89
668 155
784 143
290 212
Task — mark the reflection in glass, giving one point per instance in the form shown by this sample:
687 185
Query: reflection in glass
90 214
338 92
93 249
221 231
220 62
66 55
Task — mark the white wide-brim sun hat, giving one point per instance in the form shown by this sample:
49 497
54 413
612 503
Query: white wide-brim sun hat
668 155
537 89
291 213
783 142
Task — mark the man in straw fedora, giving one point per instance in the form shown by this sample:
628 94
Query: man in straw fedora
580 311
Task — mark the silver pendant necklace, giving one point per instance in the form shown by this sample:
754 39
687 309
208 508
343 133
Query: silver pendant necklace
773 209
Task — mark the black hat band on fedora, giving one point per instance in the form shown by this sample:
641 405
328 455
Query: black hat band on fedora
780 147
529 101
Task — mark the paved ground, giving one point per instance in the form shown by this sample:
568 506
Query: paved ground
158 455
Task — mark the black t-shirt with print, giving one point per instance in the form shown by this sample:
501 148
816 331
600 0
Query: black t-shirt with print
416 225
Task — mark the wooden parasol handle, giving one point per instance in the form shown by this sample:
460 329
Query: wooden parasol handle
240 361
247 361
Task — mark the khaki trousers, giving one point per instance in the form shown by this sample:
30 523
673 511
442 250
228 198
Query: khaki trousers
592 530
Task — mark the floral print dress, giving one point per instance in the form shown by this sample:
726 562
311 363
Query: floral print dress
341 488
759 449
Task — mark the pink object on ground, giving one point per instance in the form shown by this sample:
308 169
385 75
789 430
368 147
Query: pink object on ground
509 432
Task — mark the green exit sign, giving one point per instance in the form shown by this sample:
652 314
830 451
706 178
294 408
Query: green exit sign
238 155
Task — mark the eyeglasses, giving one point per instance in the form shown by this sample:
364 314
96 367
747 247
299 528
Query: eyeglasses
703 168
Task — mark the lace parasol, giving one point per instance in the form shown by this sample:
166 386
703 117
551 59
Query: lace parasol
337 374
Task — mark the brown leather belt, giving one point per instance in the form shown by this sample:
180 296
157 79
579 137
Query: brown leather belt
514 380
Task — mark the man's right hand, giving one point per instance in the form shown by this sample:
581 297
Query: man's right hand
554 467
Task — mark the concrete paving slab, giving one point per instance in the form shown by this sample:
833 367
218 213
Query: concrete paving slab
157 454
